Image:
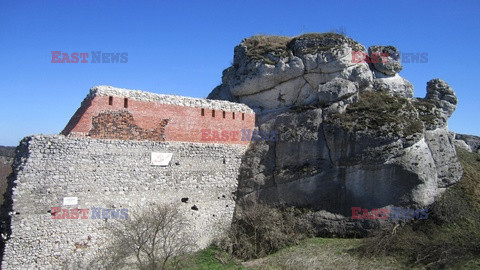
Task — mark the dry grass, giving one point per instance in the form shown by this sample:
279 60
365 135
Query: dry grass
267 48
323 253
258 47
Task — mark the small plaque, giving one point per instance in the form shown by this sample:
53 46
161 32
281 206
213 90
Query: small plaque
161 159
70 200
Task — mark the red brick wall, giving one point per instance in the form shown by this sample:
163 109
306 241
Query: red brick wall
185 123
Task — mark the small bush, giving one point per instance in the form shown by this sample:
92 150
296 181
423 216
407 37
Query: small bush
148 240
259 230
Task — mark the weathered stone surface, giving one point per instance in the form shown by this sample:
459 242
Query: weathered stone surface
262 76
336 90
440 142
462 145
282 95
443 96
472 141
389 62
271 72
395 84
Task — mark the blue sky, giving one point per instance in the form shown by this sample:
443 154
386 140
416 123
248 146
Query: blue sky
182 47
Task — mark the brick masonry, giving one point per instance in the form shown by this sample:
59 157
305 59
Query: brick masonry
186 116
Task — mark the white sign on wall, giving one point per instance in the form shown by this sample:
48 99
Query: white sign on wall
70 200
161 159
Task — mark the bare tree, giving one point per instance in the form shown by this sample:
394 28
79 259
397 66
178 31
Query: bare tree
150 239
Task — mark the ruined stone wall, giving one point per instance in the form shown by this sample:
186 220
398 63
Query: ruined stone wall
186 116
112 174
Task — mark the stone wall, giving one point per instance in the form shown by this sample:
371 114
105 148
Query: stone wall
186 116
112 174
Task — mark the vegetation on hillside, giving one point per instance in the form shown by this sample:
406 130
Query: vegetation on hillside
379 111
260 230
7 151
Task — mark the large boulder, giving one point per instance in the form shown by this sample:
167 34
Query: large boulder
442 95
385 59
350 134
385 65
272 72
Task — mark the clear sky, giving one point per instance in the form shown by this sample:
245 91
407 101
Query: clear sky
182 47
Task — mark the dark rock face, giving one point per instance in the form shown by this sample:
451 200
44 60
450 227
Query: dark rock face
329 166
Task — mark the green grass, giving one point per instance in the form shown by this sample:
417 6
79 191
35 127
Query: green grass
210 258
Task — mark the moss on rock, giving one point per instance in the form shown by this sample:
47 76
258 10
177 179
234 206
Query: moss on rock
379 111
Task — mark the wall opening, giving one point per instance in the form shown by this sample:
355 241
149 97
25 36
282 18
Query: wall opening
125 102
110 100
203 112
213 113
224 114
243 116
233 115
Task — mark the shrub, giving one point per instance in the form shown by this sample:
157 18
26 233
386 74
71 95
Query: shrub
259 230
148 240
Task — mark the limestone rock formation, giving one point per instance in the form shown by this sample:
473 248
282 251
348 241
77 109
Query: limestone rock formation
350 134
472 142
271 72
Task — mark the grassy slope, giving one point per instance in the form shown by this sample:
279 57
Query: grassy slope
324 253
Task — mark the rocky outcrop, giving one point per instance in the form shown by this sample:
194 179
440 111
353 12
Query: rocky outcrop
278 72
471 141
271 72
350 133
386 64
